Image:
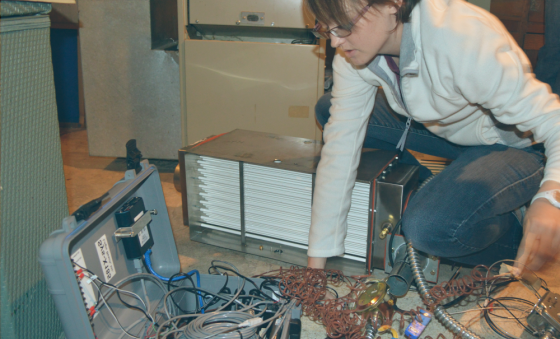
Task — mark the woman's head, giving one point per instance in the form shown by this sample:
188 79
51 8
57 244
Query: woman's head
367 27
340 12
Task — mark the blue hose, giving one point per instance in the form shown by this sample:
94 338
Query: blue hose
150 268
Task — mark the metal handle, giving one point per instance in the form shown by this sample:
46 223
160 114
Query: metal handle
132 231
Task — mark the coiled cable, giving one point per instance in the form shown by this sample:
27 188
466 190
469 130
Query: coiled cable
440 313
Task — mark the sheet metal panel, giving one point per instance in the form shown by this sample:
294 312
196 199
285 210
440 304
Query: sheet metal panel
276 197
266 87
277 13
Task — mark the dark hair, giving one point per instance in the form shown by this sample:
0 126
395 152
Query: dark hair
336 11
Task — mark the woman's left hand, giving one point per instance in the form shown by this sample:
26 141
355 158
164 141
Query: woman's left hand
541 232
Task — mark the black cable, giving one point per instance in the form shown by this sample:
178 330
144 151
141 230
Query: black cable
395 230
136 308
169 285
196 290
494 327
241 276
488 313
272 282
333 290
544 287
398 309
523 301
214 300
462 297
105 284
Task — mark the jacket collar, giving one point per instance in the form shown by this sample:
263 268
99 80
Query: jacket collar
407 58
408 65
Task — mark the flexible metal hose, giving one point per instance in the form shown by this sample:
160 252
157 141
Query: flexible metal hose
370 332
440 313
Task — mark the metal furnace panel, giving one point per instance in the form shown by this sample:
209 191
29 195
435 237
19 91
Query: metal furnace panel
269 13
263 87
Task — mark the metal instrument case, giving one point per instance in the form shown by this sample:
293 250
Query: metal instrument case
80 239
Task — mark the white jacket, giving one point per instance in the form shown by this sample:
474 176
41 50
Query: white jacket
462 76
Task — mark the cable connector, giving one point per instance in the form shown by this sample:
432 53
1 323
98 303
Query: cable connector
90 279
251 322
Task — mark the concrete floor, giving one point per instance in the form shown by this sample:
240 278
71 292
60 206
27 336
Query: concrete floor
89 177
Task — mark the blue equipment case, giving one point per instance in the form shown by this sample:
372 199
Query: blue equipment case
91 244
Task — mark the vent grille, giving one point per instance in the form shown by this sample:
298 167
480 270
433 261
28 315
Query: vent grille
218 181
356 236
277 203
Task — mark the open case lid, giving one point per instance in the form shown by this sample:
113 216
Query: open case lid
91 243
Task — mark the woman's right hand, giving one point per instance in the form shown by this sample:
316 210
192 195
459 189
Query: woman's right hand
318 263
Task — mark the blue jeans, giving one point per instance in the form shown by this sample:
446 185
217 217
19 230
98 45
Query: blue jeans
548 64
467 212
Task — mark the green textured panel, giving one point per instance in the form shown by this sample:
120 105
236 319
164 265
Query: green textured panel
13 8
33 196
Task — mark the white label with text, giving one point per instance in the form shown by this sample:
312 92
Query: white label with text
144 236
105 258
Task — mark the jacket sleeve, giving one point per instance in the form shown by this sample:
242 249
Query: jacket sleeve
343 135
490 69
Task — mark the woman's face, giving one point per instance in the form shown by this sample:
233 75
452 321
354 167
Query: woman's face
373 34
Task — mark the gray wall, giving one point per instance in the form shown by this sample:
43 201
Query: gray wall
130 91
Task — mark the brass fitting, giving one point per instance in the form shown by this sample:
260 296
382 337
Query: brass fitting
386 228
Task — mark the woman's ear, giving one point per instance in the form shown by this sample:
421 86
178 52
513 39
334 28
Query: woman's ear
397 5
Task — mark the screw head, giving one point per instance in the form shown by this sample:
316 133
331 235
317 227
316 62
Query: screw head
196 21
238 22
433 272
261 247
277 161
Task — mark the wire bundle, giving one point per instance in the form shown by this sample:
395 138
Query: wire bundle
236 314
467 285
309 287
239 314
489 285
104 296
229 315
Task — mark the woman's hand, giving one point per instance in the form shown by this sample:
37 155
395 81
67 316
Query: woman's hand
319 263
541 232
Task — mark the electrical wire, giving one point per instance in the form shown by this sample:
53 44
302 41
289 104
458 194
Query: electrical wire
498 330
478 309
530 287
208 292
94 278
169 285
221 322
235 271
166 320
113 314
148 262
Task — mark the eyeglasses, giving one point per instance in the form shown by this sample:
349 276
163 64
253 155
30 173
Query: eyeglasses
338 31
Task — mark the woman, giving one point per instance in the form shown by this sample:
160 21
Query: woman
461 88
